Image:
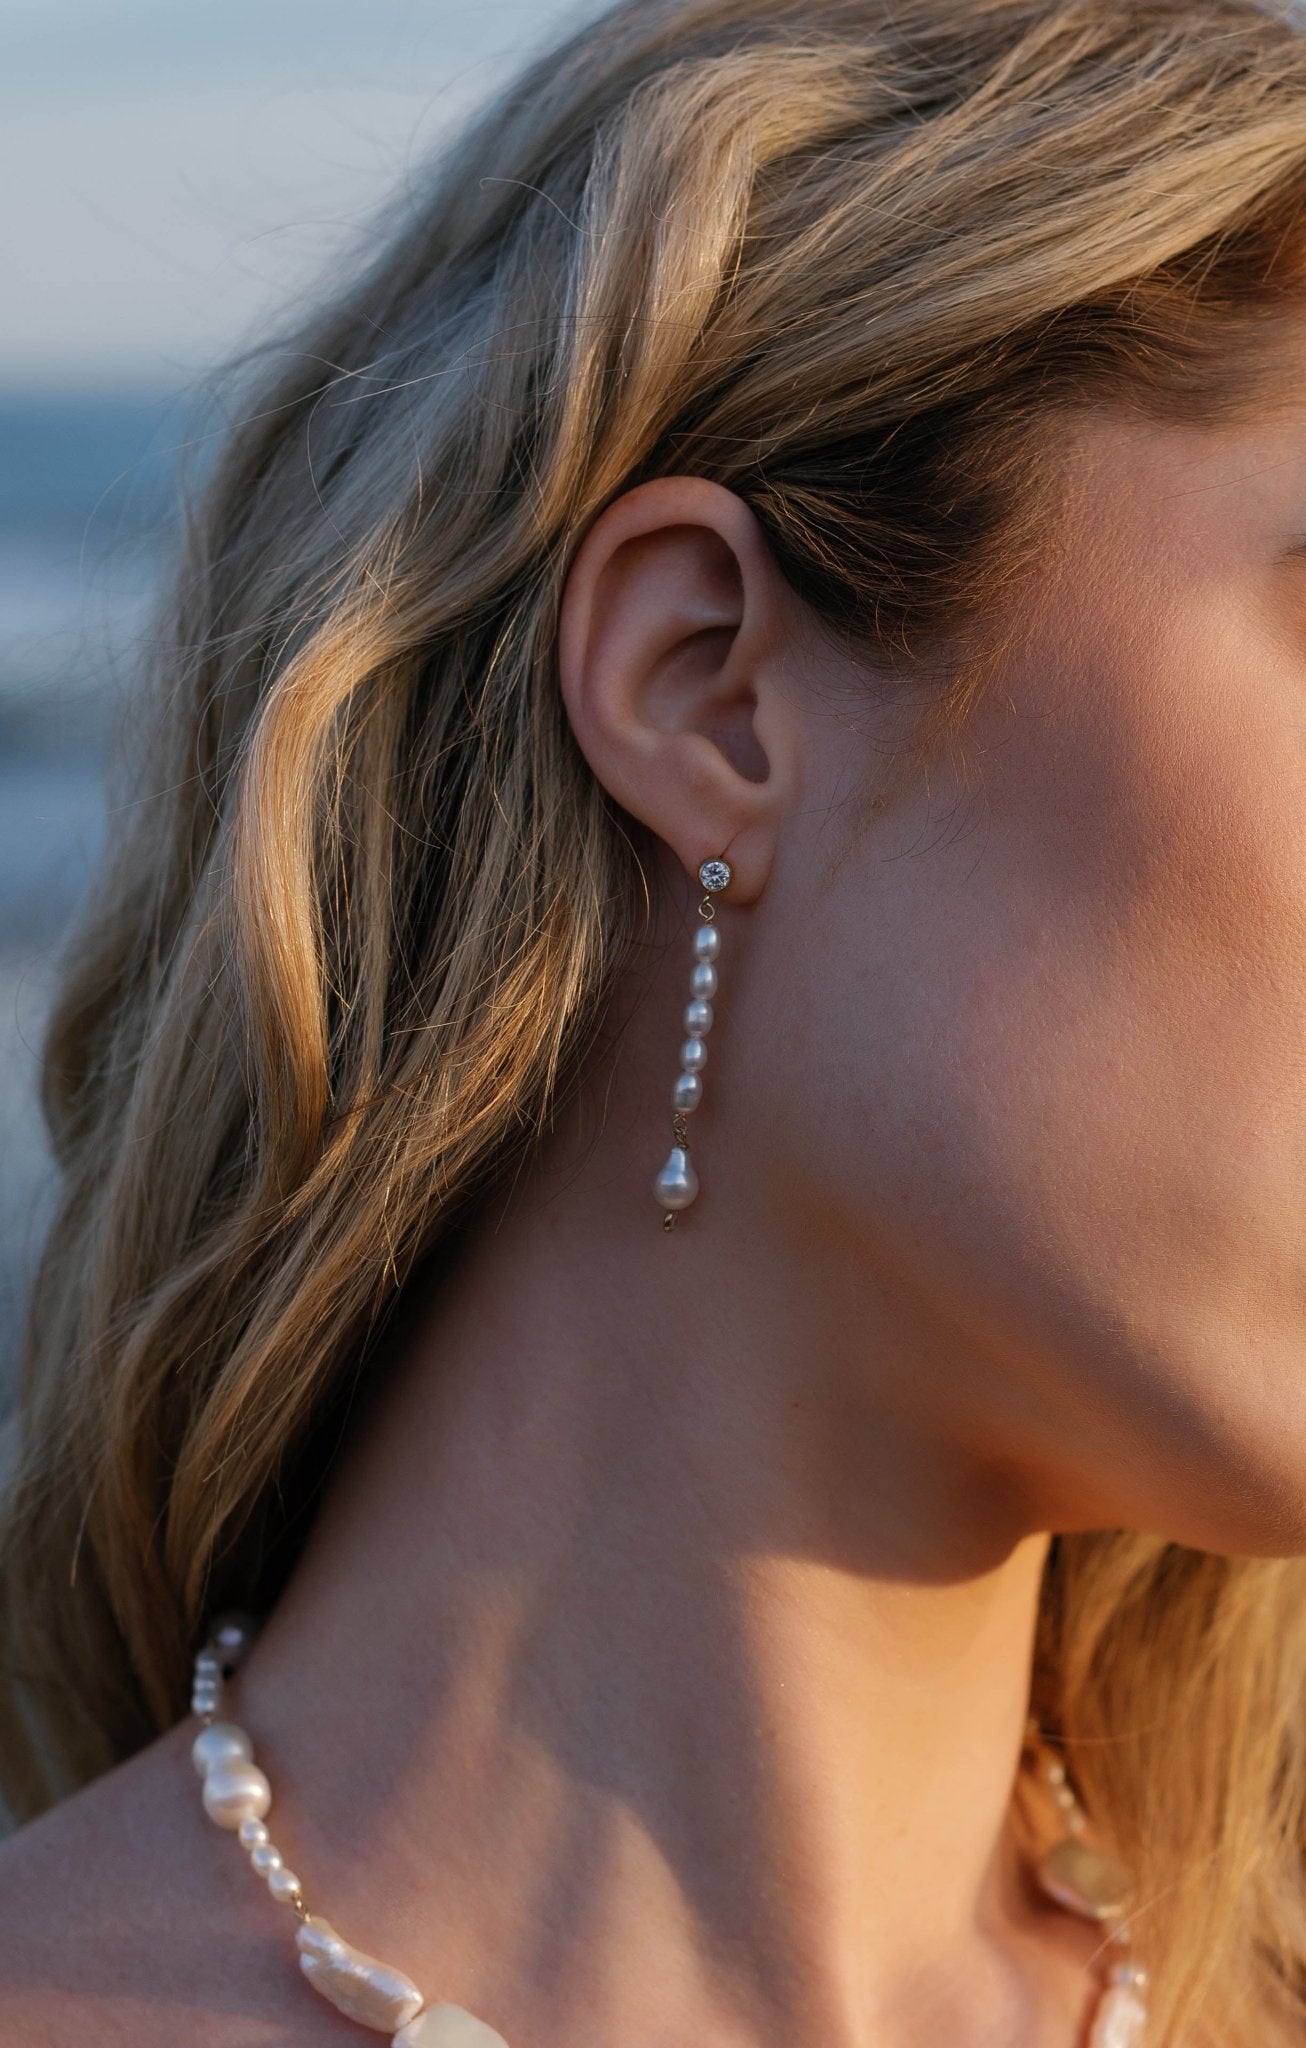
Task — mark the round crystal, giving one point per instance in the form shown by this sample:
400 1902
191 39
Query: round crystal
714 875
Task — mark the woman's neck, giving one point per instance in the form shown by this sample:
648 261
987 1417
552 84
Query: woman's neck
656 1669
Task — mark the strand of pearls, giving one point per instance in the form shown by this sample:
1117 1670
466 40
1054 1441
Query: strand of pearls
237 1796
676 1184
1087 1882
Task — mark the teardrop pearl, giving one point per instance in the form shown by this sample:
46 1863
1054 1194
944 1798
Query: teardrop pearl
1119 2020
677 1184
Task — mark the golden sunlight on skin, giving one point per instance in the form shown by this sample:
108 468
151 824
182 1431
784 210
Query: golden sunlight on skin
657 1667
1063 1043
712 1560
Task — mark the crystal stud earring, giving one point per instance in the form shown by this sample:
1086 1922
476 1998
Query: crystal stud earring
677 1184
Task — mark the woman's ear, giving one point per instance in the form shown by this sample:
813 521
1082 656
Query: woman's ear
673 636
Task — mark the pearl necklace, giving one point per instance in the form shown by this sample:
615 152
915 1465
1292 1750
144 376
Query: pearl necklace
237 1795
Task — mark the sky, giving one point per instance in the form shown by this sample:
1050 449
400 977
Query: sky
173 172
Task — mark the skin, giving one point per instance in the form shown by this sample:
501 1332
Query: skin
656 1670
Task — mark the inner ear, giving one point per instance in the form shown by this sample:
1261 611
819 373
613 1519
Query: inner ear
688 587
729 722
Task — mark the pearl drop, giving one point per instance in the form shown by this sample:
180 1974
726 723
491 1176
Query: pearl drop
252 1832
1120 2020
707 942
233 1790
677 1184
688 1091
283 1884
702 981
265 1859
223 1743
693 1055
698 1019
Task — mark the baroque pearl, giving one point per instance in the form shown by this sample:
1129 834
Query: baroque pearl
693 1055
231 1790
698 1018
356 1984
264 1858
222 1743
447 2026
252 1831
1120 2019
677 1184
702 982
707 942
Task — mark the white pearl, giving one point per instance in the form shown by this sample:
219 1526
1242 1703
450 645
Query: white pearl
361 1987
233 1635
223 1743
688 1091
693 1055
252 1832
677 1184
702 982
208 1665
447 2026
283 1884
698 1019
1120 2020
707 942
265 1858
233 1790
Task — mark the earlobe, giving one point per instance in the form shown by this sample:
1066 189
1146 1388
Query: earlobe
671 635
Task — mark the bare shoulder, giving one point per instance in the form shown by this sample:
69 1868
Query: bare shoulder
120 1926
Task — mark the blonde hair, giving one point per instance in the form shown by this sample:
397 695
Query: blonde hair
850 258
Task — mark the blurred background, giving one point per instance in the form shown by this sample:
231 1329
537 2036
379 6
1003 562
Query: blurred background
176 174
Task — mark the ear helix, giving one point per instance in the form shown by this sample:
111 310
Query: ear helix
677 1184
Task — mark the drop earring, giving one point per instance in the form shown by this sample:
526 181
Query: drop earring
677 1184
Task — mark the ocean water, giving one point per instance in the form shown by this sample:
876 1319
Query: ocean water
85 525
